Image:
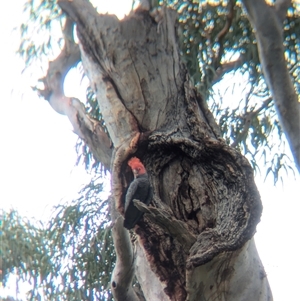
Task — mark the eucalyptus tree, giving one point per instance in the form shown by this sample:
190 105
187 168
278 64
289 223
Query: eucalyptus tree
152 94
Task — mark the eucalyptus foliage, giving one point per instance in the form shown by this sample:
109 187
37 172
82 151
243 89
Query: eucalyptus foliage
70 258
218 43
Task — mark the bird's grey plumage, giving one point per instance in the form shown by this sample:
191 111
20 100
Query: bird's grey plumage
139 189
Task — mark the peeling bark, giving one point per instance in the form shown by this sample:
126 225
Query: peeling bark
206 206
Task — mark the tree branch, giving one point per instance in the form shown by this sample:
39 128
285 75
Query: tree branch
87 128
121 280
224 31
281 7
58 69
173 227
228 67
268 31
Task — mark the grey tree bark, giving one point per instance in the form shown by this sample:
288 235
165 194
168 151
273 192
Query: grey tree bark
195 241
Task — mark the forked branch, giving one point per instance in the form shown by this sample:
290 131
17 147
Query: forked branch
87 128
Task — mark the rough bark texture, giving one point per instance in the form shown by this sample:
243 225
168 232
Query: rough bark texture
268 23
196 237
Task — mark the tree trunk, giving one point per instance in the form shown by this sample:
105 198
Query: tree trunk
195 241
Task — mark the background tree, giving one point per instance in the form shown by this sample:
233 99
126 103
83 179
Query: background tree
59 258
93 131
218 39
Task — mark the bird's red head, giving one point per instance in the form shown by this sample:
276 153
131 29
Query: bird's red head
137 166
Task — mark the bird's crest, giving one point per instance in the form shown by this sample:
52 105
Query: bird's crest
135 163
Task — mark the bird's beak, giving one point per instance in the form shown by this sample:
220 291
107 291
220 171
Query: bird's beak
135 172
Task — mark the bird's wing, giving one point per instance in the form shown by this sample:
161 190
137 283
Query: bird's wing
130 192
149 196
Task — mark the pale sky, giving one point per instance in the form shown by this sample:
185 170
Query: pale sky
37 158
